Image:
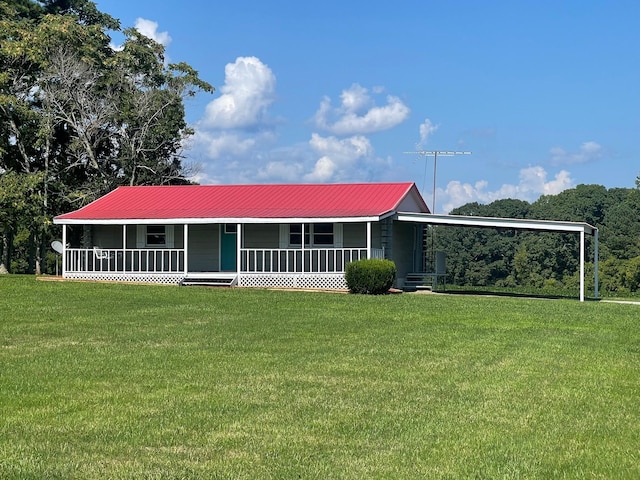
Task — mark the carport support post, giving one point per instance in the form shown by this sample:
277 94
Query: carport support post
582 265
596 288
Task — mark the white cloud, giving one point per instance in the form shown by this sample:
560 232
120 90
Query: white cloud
588 152
149 29
352 147
281 171
532 183
358 113
338 157
219 144
247 93
323 171
236 127
426 129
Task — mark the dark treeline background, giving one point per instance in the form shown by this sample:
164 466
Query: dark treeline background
508 258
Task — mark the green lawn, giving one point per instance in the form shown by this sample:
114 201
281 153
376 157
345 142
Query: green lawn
136 381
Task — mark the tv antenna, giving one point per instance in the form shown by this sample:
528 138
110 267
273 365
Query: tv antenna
436 153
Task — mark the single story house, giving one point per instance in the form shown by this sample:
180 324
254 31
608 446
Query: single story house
293 236
288 235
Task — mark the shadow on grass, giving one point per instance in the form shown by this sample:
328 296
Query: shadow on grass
514 294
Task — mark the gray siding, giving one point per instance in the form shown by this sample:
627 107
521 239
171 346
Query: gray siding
178 235
410 203
376 236
354 235
405 249
106 236
261 236
204 248
132 233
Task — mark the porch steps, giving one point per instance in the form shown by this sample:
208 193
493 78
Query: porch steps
414 282
209 281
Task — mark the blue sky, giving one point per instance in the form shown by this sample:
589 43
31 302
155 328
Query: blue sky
545 94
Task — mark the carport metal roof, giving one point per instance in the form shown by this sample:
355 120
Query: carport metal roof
516 224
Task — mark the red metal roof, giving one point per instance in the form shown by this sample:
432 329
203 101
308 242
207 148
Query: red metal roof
249 201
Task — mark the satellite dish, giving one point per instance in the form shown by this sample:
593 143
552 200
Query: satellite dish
57 246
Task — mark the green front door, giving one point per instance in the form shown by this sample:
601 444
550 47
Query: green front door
228 246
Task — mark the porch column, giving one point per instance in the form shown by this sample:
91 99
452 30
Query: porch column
368 239
596 288
238 252
185 245
124 249
302 247
64 250
582 266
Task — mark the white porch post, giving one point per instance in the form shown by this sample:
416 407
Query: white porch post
185 239
64 250
124 248
368 239
582 266
302 247
596 288
238 252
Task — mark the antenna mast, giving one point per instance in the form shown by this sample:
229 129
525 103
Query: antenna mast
435 153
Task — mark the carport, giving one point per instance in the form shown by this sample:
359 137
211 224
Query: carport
582 229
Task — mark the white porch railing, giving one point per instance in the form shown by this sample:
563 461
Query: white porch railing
118 260
290 260
253 260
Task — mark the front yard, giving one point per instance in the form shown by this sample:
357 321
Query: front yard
138 381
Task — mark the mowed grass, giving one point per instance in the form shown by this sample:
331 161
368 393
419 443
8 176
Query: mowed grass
138 381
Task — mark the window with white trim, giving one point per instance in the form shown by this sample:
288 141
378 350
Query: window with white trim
315 234
156 236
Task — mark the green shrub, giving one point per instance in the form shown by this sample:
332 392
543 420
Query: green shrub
371 276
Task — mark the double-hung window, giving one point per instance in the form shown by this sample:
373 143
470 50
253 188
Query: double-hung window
315 234
323 234
156 236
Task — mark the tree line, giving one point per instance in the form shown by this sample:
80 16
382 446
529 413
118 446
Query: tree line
512 258
79 117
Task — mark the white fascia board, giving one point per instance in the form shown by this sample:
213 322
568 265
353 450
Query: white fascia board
495 222
386 215
199 221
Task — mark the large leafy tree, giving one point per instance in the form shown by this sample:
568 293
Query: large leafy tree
85 116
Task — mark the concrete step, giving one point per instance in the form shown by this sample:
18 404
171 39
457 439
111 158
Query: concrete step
208 281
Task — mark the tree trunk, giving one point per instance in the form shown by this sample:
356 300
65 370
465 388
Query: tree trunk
3 251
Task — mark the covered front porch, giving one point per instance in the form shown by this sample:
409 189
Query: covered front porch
251 255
